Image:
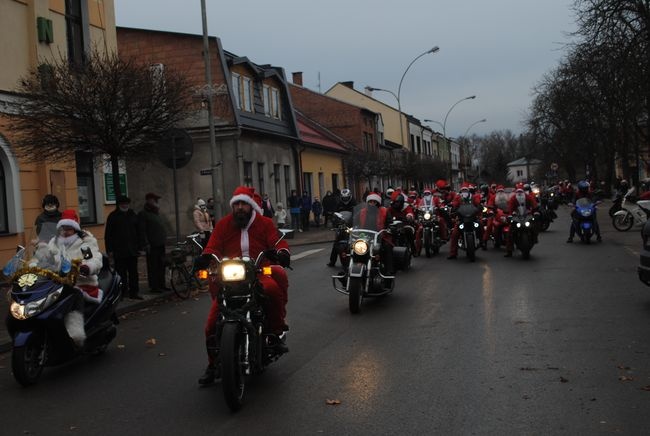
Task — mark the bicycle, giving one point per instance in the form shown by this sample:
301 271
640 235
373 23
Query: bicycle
182 281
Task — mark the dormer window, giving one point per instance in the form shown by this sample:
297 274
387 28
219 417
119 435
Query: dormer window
242 89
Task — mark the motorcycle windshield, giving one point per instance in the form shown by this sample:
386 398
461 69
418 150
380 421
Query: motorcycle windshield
585 207
40 253
467 211
365 223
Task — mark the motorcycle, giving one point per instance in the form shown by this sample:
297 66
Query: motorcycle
402 252
585 211
341 222
43 292
430 238
522 230
364 274
547 213
246 345
617 201
632 213
469 226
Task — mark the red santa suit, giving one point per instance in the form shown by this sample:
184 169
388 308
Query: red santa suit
230 240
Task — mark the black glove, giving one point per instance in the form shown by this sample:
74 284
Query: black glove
271 255
202 262
284 258
84 270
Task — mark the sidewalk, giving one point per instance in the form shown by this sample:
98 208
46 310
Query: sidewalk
313 236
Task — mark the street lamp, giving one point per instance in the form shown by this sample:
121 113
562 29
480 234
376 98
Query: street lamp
434 121
444 132
399 90
465 137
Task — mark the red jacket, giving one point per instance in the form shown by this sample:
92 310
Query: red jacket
228 240
380 222
531 203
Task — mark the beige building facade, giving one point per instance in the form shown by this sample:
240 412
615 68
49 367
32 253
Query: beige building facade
31 32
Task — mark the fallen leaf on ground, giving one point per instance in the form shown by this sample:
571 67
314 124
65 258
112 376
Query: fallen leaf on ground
623 367
564 380
121 346
161 354
184 312
333 402
625 378
646 388
151 342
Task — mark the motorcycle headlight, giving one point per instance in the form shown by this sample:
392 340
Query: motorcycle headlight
476 225
427 215
233 272
461 226
24 311
360 247
527 223
585 212
518 225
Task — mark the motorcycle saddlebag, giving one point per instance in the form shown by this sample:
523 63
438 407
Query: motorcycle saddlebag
401 257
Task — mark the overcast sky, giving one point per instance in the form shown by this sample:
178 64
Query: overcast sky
497 50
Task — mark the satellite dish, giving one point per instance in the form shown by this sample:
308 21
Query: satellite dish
176 146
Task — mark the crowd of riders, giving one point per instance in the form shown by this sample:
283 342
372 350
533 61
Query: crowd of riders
494 202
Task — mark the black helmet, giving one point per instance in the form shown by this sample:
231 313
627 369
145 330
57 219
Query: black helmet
485 188
398 203
50 199
583 186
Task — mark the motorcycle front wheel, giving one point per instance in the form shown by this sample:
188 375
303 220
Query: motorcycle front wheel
428 249
525 244
623 223
355 294
470 247
232 353
27 361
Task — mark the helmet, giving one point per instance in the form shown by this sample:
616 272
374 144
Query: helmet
397 200
346 195
441 184
583 186
50 199
527 187
485 188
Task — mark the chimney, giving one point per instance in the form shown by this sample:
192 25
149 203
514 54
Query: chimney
297 78
349 84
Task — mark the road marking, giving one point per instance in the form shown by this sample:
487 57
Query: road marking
634 252
306 253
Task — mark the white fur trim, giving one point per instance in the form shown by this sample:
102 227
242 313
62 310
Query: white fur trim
74 325
247 199
68 222
373 196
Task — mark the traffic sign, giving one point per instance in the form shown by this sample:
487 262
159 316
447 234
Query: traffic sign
206 172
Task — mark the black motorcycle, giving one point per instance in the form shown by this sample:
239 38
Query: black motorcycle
246 344
341 222
469 226
430 238
42 294
522 231
402 236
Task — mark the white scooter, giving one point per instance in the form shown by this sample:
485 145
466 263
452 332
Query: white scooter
632 213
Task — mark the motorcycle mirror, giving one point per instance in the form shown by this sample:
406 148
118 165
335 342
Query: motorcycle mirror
86 252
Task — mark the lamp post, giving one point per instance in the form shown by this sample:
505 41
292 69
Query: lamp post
465 137
399 90
444 133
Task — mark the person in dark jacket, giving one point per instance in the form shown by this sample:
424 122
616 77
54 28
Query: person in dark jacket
294 202
123 244
150 224
317 210
330 203
305 210
51 214
267 206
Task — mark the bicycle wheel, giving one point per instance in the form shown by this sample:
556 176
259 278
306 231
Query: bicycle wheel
180 281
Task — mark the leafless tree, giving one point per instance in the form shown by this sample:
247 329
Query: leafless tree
108 106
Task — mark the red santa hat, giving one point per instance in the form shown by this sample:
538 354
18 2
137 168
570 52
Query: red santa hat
373 196
69 218
247 195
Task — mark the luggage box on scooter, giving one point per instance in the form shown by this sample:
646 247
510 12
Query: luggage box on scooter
401 258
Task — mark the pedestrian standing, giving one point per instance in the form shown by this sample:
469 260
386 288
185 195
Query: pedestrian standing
280 215
202 221
329 206
151 225
267 207
210 206
305 210
123 244
317 210
51 214
294 203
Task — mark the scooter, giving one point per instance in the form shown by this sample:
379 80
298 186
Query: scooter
632 213
41 297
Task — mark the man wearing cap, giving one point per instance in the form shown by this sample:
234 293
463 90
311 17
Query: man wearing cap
150 225
123 244
245 233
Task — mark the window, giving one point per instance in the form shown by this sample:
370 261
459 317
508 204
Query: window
236 89
74 32
321 185
419 146
307 183
247 85
266 95
287 180
275 103
335 182
248 173
276 180
412 143
261 178
4 226
86 188
520 173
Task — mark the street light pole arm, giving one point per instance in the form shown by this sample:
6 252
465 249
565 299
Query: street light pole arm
472 125
444 124
399 88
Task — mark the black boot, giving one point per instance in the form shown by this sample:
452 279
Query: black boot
211 373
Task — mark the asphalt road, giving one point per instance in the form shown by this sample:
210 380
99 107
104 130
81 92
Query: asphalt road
558 344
